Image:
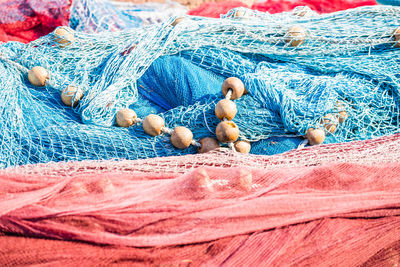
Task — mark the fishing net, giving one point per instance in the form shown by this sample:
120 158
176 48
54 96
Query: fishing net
389 2
94 16
348 63
324 6
27 20
98 16
317 206
23 21
215 9
151 12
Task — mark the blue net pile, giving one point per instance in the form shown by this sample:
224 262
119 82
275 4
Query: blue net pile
94 16
389 2
348 62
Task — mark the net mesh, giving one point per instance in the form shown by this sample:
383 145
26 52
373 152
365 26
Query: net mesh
348 63
389 2
291 89
315 206
377 151
93 16
215 9
24 21
320 205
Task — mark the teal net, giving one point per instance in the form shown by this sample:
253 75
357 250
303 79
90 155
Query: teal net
347 63
93 16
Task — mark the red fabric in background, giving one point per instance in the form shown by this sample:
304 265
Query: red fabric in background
321 6
27 20
214 10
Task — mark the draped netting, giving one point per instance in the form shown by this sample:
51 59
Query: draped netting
317 206
104 15
348 62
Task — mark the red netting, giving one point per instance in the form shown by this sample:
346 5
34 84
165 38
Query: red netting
215 9
322 6
27 20
330 205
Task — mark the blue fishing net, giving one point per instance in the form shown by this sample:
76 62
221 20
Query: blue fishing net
389 2
93 16
348 62
98 16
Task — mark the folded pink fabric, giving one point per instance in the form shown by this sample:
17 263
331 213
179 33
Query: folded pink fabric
27 20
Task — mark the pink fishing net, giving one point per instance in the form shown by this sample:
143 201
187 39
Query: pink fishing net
321 6
325 205
27 20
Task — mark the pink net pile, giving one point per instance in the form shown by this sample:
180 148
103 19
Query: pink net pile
27 20
328 205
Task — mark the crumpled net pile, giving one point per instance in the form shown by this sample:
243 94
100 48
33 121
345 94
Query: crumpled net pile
91 192
27 20
348 62
317 206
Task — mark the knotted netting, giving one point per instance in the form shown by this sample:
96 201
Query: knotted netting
389 2
348 63
93 16
316 206
97 16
